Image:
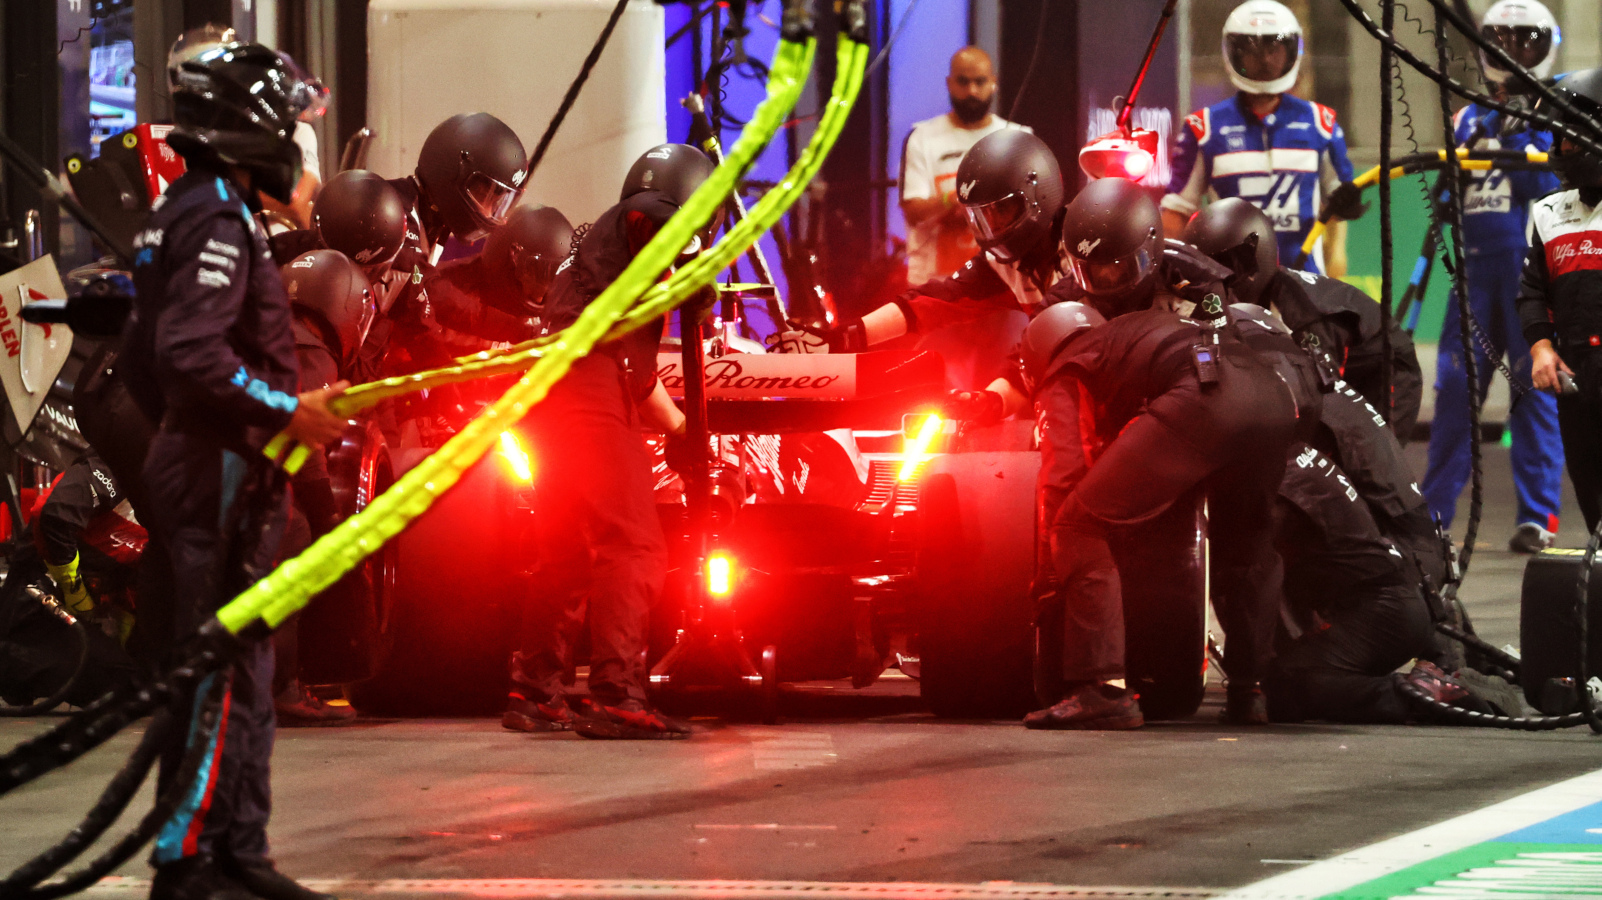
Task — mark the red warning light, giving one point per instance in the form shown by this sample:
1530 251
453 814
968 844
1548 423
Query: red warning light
1120 155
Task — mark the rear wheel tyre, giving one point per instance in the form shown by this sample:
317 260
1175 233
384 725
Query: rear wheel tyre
975 563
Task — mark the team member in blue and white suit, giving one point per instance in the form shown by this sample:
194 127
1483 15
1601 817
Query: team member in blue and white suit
1282 153
1495 213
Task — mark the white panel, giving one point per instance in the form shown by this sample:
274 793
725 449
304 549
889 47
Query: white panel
431 59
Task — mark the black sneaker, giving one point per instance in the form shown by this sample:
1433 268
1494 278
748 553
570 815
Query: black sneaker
263 880
523 714
1245 706
629 720
195 878
1090 707
298 707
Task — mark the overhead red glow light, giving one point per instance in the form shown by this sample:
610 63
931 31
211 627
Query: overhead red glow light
1119 155
719 576
512 451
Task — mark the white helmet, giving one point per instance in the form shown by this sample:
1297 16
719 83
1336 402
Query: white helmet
1262 47
1526 31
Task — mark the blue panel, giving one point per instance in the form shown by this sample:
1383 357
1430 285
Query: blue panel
918 62
1583 826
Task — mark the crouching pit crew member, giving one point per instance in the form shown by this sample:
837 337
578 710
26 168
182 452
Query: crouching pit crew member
334 308
599 539
496 296
1133 413
211 357
1560 297
1327 315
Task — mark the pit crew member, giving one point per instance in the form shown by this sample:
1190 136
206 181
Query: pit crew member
1284 154
1495 215
1110 399
1328 316
210 356
496 297
1011 189
333 307
599 540
1560 297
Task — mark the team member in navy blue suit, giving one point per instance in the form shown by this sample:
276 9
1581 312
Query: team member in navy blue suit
599 540
1495 213
211 357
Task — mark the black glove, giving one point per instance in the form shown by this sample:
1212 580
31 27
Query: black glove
978 407
679 451
1345 202
844 336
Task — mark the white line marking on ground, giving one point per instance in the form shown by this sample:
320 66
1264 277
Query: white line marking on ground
799 750
598 889
1377 860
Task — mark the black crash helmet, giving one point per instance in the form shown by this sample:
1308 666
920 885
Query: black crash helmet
326 284
1010 186
1224 230
471 170
362 216
1112 239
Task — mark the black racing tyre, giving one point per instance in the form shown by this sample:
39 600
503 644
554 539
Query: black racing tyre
975 561
345 634
1163 567
459 586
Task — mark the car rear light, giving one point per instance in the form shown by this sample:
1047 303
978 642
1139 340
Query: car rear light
918 447
719 576
512 451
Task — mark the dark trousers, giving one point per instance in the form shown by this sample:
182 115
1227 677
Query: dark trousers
1580 420
197 491
1345 671
1143 471
599 543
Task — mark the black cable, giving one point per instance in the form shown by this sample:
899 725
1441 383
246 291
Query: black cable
1503 659
113 800
60 694
1452 233
209 718
573 89
1387 237
1546 122
1034 58
884 52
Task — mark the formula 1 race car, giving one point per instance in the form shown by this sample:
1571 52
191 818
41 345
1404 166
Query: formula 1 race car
840 529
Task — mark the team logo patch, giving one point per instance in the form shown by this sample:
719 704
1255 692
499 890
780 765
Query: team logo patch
1326 118
1575 252
965 189
1088 246
1198 124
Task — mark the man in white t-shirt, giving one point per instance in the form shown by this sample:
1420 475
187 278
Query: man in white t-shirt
938 241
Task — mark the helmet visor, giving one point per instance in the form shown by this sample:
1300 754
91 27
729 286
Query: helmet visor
1528 45
1262 57
990 221
1112 276
491 200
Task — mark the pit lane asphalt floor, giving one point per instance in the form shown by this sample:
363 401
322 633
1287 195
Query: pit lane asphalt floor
862 787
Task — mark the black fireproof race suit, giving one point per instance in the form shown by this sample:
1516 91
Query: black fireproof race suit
1329 315
1354 608
598 535
1130 420
211 357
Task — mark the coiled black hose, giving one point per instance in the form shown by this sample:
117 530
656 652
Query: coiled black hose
1459 716
113 800
55 699
208 719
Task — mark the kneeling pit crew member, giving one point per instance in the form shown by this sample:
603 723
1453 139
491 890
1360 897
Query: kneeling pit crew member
599 539
1011 188
1174 404
334 309
211 357
1560 297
